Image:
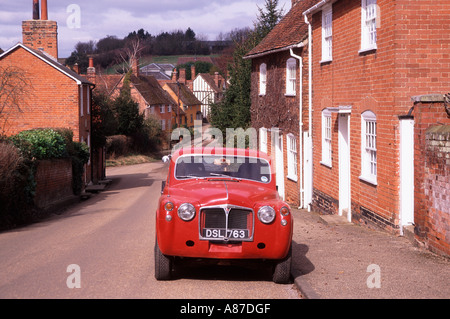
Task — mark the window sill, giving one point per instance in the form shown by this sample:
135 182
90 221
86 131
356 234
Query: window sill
292 178
367 50
369 180
326 61
291 94
326 164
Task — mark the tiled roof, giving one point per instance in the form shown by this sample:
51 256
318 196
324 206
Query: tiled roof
208 78
159 75
150 89
107 83
186 96
290 31
51 61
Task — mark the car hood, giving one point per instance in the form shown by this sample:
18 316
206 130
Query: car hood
220 192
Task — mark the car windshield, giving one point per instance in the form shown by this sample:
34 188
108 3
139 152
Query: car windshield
214 166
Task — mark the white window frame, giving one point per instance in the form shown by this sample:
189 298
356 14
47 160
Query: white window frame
291 77
162 109
163 125
292 157
263 140
262 79
88 98
81 100
369 165
327 133
327 34
369 16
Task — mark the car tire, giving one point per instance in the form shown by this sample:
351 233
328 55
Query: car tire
163 265
282 269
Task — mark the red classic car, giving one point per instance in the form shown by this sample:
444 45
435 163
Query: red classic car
221 204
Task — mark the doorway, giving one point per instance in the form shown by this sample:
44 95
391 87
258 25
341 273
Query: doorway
277 142
344 166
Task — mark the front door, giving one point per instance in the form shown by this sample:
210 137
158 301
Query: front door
344 165
277 140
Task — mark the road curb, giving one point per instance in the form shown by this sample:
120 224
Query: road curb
305 288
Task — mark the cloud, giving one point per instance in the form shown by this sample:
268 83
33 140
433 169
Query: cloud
117 17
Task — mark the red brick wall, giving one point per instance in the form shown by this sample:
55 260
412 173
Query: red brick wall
359 80
53 99
412 56
54 182
432 176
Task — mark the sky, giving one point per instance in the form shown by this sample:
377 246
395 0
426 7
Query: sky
85 20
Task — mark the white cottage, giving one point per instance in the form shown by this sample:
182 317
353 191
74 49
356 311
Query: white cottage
208 89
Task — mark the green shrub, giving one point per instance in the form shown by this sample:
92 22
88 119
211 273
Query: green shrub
41 144
17 186
117 145
80 156
19 156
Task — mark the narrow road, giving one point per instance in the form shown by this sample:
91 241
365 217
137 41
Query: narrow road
105 246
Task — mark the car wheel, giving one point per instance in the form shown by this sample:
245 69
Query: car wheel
163 265
282 270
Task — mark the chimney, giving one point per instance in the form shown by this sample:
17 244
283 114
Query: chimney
76 68
182 78
174 75
91 70
217 79
35 9
44 10
40 32
193 75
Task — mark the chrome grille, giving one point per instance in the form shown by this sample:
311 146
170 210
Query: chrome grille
228 218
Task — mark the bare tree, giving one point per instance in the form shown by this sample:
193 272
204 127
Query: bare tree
14 88
131 52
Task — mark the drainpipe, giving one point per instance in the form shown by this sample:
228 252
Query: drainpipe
310 72
300 59
310 122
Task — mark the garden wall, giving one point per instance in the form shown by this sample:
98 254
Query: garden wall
53 182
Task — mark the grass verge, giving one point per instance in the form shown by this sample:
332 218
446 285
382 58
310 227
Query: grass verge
130 160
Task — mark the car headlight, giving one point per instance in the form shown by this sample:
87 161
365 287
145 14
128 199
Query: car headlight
266 214
186 212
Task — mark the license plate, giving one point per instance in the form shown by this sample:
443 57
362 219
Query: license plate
217 233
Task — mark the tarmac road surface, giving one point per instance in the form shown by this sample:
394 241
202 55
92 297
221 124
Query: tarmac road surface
103 248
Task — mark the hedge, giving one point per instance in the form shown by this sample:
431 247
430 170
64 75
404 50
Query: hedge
41 144
22 152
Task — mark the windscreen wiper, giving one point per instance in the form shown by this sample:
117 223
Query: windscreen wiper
226 176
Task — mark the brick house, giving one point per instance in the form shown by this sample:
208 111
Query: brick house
150 96
58 97
279 99
369 57
188 107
